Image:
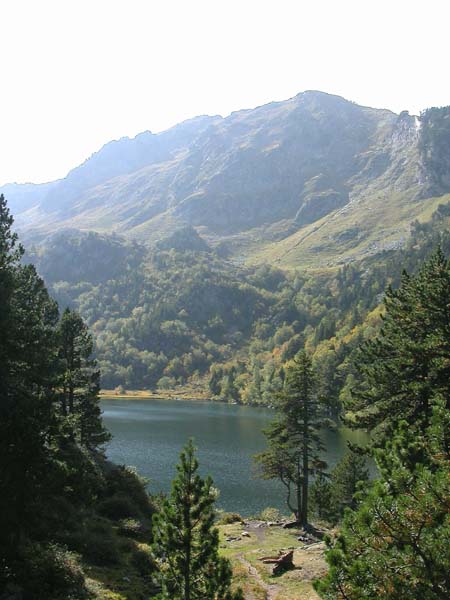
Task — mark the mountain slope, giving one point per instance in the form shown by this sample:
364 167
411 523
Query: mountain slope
311 180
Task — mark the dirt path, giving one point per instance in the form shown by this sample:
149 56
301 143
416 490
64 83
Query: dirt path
270 589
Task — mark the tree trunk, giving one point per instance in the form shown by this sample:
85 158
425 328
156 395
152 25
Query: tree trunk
299 494
305 482
305 457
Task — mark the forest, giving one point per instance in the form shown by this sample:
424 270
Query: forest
369 343
179 315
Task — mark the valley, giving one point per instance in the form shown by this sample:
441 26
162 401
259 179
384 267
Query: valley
239 281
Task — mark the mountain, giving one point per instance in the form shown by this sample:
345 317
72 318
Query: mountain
313 181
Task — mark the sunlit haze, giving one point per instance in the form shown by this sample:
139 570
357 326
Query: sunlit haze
78 73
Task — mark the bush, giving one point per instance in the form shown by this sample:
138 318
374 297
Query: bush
96 542
125 482
228 518
131 528
118 507
270 514
51 572
143 562
100 548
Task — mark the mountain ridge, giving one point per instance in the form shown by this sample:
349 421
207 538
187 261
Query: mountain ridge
249 182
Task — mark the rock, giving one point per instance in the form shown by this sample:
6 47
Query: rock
245 534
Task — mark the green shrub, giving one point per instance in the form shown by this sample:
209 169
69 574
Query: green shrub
96 542
131 528
118 507
126 545
270 514
125 481
143 562
227 518
100 548
51 572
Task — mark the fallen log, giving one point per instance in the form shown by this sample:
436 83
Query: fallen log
281 563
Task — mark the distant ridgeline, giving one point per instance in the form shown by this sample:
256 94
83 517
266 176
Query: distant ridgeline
208 254
311 181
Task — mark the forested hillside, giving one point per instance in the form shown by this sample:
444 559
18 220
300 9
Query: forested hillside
181 314
208 254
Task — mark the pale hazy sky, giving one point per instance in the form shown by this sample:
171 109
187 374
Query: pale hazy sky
78 73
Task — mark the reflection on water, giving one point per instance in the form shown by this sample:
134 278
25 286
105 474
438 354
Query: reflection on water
149 435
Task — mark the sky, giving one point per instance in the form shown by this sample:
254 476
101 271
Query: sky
76 74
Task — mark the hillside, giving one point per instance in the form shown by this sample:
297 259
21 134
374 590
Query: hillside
180 316
311 181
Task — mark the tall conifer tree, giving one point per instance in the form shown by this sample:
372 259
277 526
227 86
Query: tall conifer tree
409 361
27 378
395 546
80 381
293 438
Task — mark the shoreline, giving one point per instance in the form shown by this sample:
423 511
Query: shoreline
182 395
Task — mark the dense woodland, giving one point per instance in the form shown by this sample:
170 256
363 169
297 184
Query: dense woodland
311 345
180 315
65 511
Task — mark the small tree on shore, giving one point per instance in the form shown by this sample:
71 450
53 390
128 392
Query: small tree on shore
186 541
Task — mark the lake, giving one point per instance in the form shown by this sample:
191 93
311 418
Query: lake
149 434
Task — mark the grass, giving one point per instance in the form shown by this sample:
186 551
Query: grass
255 577
122 582
375 222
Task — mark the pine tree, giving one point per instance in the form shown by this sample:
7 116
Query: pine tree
80 381
395 545
345 477
293 438
27 378
186 542
409 361
10 255
322 498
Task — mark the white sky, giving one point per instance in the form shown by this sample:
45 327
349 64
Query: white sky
77 73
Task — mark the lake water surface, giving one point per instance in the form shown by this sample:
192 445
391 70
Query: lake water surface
149 435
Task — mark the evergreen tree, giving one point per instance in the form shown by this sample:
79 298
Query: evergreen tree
409 361
27 377
10 255
322 498
345 477
293 438
186 542
80 381
216 375
395 546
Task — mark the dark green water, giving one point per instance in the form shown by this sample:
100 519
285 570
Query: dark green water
149 435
